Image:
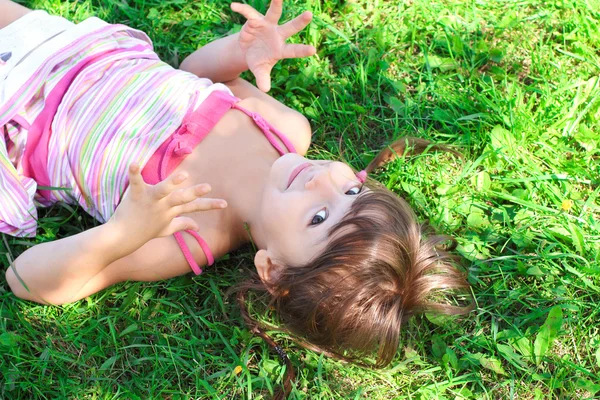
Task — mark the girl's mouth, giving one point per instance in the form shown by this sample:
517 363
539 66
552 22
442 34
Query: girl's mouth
296 172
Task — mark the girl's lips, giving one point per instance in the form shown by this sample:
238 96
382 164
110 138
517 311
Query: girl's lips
296 172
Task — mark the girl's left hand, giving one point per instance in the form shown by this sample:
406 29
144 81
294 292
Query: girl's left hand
262 39
150 211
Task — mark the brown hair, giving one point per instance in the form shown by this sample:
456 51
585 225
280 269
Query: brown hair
380 268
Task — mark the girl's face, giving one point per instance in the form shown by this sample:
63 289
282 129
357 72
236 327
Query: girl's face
302 200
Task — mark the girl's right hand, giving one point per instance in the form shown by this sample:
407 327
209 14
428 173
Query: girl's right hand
263 40
150 211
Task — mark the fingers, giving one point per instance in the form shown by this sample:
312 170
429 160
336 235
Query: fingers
200 205
188 200
166 187
182 224
136 182
298 51
274 11
183 196
247 11
263 77
294 26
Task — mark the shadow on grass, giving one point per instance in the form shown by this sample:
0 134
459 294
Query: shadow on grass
485 85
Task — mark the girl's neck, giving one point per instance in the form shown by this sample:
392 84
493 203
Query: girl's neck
242 186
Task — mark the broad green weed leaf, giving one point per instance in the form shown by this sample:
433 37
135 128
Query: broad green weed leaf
270 366
450 21
492 364
442 115
438 319
560 232
396 104
444 64
509 354
587 138
411 354
452 359
481 181
496 55
521 194
541 377
8 339
501 139
477 220
588 386
474 359
415 193
438 347
522 345
465 393
129 329
108 363
577 237
547 333
535 271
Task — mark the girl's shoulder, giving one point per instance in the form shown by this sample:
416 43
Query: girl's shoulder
291 123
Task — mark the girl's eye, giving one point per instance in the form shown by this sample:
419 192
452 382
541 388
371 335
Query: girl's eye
354 191
319 217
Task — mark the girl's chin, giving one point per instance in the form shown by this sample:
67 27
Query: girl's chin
281 169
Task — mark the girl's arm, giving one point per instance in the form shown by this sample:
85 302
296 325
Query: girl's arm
219 61
56 272
10 12
158 259
258 47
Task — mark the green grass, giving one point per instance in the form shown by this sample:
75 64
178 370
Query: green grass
512 84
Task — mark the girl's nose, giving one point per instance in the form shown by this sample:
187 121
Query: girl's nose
320 180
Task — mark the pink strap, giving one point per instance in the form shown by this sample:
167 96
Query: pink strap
188 254
269 130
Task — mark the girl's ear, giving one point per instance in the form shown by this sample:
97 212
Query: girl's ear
268 270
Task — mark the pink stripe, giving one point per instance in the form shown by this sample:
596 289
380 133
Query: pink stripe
21 121
35 157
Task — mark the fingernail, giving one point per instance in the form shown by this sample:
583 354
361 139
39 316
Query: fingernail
223 204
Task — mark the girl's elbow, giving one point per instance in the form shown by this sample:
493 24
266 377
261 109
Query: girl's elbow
23 292
15 285
184 66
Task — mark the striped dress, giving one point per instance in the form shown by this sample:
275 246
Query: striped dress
116 111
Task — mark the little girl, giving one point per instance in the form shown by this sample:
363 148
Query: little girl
91 116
